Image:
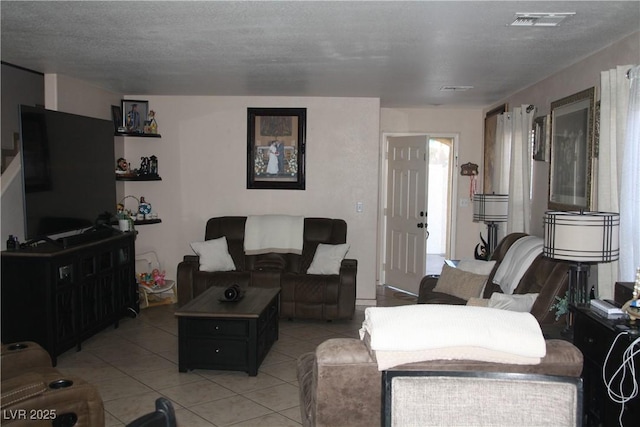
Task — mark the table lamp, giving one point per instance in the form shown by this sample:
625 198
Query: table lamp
491 209
583 238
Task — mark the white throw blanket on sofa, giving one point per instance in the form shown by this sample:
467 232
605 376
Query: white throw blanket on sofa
422 332
516 262
273 233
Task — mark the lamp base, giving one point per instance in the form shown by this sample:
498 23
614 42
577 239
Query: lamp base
578 286
481 252
487 246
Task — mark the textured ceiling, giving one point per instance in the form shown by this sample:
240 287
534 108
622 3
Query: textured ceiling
400 52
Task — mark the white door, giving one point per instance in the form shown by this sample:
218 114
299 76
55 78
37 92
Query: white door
406 211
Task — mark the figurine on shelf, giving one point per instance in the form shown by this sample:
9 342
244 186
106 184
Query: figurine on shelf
144 166
153 165
122 167
153 125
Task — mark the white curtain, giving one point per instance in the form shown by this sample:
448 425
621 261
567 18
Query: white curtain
614 101
513 177
502 147
629 189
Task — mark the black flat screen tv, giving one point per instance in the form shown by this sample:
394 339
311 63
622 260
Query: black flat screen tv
67 170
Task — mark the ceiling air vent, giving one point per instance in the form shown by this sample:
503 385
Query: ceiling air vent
455 88
539 19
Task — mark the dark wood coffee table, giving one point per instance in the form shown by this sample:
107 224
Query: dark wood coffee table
228 335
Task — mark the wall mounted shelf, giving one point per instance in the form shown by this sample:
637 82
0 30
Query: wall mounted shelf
138 135
148 177
147 221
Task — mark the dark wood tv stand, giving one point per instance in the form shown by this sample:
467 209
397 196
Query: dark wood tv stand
59 297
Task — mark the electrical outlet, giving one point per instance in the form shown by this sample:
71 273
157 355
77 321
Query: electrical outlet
359 207
464 202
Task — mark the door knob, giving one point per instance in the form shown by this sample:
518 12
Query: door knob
421 213
420 225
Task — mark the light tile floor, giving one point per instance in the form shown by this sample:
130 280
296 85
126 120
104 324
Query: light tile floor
138 362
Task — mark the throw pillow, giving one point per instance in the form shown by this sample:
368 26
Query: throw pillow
327 259
460 283
478 302
476 266
214 255
515 302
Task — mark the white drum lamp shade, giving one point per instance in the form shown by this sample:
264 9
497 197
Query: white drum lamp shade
583 238
589 237
490 207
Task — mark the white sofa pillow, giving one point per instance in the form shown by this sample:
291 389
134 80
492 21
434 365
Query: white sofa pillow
327 259
214 255
515 302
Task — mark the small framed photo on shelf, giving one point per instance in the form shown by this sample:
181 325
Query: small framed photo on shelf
134 114
116 117
276 148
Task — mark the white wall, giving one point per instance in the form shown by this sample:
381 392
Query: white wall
468 124
202 161
63 93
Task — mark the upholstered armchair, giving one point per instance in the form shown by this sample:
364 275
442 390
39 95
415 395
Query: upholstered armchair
34 393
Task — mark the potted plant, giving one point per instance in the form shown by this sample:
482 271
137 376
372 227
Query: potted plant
561 306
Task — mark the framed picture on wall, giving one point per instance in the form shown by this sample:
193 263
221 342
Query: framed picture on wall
276 148
490 128
572 126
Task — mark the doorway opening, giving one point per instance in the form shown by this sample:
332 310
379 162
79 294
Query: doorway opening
439 203
418 212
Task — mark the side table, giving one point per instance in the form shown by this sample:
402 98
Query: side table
594 336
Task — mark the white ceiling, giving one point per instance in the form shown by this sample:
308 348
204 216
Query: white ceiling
401 52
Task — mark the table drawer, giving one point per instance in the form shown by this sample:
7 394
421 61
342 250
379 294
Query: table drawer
214 327
211 353
592 339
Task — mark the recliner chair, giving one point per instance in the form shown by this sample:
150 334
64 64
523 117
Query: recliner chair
36 394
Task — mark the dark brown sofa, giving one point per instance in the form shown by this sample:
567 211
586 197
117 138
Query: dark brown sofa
546 277
302 295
